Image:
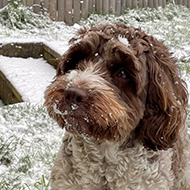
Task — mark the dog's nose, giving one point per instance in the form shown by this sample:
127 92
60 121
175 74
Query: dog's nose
75 95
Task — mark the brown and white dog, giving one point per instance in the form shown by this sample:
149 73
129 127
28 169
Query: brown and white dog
119 96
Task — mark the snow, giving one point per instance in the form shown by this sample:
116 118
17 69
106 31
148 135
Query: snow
29 139
123 40
29 76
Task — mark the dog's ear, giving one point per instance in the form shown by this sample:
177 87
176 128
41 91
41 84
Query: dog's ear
80 49
166 102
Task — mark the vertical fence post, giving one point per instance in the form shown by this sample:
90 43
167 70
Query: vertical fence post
46 5
1 4
188 3
61 10
112 6
185 2
84 8
29 3
129 3
160 3
155 4
118 8
134 3
106 6
53 9
36 6
77 11
144 3
99 6
68 12
150 3
123 6
5 2
93 5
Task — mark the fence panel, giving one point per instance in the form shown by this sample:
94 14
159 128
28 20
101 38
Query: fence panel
71 11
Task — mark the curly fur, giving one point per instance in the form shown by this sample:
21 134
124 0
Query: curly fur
120 98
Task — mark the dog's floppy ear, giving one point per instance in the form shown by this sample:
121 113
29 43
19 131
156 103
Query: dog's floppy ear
166 99
80 49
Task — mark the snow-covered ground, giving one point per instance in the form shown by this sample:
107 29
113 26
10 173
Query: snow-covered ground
29 139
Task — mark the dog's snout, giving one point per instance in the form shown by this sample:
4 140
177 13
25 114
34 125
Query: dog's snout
75 95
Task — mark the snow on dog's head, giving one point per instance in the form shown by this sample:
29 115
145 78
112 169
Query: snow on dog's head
118 83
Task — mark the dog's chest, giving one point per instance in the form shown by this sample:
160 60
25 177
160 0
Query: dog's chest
104 166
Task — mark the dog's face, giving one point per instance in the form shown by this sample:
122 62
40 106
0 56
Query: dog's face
113 83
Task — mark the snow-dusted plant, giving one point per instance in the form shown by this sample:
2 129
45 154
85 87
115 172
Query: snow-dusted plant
17 16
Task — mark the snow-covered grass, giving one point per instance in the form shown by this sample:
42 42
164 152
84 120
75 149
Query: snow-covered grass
29 139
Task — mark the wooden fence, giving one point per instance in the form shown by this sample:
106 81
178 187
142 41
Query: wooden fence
71 11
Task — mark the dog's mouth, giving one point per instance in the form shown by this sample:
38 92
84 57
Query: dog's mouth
75 119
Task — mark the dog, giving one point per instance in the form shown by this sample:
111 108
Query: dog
119 96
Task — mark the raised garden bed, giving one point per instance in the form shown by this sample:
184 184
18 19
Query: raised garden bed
8 93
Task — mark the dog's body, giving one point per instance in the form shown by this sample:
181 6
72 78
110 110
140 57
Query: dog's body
118 94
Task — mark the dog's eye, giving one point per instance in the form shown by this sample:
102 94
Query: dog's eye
122 74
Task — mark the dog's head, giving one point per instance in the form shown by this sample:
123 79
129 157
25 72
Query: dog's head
116 83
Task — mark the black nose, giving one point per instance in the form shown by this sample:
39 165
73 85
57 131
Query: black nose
75 95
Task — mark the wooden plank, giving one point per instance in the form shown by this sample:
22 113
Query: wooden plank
129 3
1 4
61 10
93 5
164 3
84 8
144 3
36 6
155 4
185 2
99 6
68 12
106 6
52 9
29 3
5 2
112 6
123 6
8 92
140 4
77 11
150 3
46 5
118 8
134 3
160 3
188 3
90 3
24 2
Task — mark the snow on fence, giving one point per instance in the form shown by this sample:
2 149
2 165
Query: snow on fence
71 11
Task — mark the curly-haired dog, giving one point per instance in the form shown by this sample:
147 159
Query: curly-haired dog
119 96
